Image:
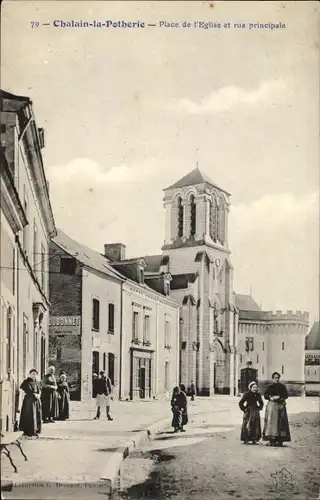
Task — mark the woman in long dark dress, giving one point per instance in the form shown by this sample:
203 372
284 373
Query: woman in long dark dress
178 405
276 426
185 409
49 397
251 404
30 417
63 397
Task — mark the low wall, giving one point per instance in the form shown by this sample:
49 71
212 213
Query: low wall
294 388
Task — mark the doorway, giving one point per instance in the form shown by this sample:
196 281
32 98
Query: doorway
95 362
142 381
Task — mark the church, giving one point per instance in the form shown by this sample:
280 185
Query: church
196 254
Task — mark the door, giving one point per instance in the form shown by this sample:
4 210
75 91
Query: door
111 367
95 362
142 381
43 356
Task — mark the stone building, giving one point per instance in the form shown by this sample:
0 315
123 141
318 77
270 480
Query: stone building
105 315
196 254
26 226
272 342
312 361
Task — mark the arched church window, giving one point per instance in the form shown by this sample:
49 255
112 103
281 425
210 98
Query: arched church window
180 218
222 221
193 211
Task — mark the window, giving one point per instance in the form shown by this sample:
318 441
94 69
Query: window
95 314
111 367
146 329
111 318
43 278
35 247
167 334
9 340
67 265
263 346
257 358
193 216
283 346
213 219
104 362
25 342
180 218
249 344
135 320
262 370
240 358
282 369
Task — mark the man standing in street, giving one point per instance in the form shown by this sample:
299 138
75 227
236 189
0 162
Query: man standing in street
104 395
192 390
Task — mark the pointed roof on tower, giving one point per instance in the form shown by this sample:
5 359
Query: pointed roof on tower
194 177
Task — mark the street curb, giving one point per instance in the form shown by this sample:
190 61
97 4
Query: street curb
113 467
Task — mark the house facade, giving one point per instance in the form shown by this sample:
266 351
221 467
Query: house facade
27 224
105 316
312 361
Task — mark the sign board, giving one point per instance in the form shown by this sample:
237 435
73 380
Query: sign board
65 325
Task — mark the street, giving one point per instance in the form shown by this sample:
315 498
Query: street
209 462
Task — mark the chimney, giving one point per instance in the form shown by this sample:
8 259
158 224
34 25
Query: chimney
115 251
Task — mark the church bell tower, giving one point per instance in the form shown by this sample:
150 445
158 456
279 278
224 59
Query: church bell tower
196 244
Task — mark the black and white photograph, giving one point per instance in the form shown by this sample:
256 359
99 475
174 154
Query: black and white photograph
159 264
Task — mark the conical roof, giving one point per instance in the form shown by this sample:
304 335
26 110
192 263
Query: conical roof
193 178
313 339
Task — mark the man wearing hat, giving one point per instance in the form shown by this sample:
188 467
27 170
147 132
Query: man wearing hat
104 395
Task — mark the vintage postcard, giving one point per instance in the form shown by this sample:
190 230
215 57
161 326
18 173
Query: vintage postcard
160 250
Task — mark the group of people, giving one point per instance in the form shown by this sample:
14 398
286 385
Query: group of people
44 402
276 426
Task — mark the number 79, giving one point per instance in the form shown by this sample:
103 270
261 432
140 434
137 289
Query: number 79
34 24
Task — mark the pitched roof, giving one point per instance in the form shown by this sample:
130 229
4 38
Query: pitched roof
85 255
246 303
313 339
182 280
193 178
8 95
154 262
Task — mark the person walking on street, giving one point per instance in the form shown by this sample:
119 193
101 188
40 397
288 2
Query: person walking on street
178 405
185 409
192 390
104 395
276 426
251 404
30 417
49 397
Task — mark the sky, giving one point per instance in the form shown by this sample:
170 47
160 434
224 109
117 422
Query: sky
125 111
